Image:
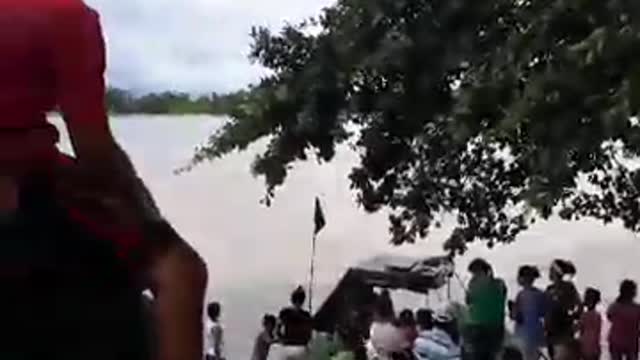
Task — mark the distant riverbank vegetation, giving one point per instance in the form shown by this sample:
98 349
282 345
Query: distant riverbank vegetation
120 101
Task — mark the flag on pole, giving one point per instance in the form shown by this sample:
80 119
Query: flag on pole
319 223
318 218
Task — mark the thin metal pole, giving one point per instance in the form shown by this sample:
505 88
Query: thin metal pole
312 271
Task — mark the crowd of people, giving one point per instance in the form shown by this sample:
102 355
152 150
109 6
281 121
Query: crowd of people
554 323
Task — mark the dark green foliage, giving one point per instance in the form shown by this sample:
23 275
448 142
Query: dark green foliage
496 112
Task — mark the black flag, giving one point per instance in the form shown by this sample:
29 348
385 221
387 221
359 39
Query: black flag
318 218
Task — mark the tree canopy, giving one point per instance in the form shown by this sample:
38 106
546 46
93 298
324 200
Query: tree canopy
495 112
122 101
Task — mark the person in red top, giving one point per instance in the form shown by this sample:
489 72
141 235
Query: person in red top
52 57
624 315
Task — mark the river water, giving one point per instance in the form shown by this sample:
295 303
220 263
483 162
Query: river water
256 255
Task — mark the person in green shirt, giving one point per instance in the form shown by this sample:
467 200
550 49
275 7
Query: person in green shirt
486 298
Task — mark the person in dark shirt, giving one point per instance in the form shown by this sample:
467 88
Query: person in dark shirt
295 329
295 322
563 306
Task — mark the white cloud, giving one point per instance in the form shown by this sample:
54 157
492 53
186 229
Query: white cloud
189 45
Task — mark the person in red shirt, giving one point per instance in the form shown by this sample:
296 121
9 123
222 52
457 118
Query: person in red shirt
52 57
624 315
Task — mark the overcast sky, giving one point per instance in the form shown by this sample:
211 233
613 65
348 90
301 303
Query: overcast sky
189 45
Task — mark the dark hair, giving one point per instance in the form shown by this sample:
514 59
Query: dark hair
529 273
424 318
213 310
406 318
479 265
592 297
628 291
298 296
269 319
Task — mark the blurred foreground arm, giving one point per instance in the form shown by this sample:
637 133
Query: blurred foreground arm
177 275
178 281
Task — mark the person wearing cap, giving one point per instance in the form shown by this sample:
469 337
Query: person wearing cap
442 342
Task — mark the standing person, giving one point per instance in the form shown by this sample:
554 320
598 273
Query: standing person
624 315
564 305
529 311
408 326
486 298
295 327
215 333
86 227
590 326
265 339
442 342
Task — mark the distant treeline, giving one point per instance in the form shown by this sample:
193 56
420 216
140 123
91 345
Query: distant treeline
121 101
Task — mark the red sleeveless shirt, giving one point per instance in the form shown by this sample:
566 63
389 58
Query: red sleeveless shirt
52 57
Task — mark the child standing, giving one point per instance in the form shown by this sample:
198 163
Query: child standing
624 316
215 333
590 326
265 339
